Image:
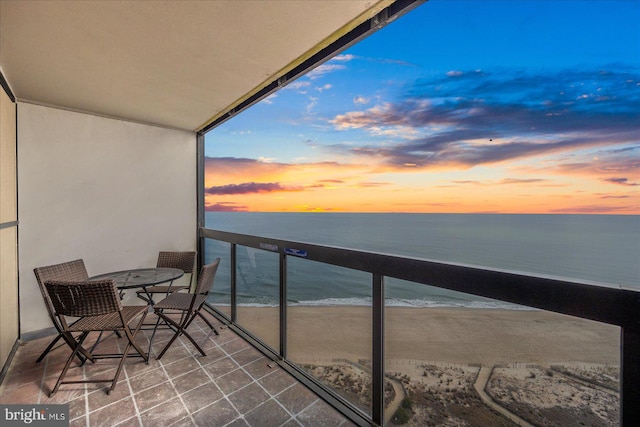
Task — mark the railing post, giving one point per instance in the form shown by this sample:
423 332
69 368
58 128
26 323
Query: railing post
630 377
234 302
377 387
200 212
283 305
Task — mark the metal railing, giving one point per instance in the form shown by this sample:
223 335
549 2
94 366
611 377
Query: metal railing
614 306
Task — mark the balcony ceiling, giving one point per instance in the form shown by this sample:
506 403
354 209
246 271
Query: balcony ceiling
173 63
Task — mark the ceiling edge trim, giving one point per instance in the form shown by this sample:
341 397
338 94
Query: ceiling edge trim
104 116
7 88
360 27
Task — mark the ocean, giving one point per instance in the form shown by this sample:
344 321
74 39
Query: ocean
599 249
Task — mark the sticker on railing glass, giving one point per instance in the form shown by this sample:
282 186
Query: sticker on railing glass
269 247
295 252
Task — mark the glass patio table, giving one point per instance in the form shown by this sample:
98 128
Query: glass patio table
141 278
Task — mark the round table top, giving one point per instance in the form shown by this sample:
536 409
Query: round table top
140 277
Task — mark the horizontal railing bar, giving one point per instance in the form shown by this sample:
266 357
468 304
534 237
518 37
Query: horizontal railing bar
610 305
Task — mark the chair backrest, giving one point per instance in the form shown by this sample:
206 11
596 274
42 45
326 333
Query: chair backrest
185 261
72 271
82 299
206 276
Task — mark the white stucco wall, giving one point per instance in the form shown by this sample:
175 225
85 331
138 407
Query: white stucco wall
111 192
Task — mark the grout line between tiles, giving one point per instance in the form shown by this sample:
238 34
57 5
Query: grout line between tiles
255 381
184 405
133 399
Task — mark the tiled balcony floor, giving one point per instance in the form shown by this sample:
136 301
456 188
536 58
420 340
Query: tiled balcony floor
232 386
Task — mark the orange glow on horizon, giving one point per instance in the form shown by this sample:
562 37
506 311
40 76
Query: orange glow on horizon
353 188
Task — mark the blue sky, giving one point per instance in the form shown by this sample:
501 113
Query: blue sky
529 101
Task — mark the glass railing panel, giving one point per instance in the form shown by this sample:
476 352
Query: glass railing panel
329 327
258 294
220 295
456 359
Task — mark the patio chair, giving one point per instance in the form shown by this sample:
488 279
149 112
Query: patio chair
73 271
185 261
188 305
97 307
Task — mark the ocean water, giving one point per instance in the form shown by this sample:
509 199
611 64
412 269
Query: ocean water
599 249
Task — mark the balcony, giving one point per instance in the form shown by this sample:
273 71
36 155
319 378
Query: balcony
102 126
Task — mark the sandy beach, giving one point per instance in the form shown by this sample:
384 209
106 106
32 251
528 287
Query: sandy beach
455 335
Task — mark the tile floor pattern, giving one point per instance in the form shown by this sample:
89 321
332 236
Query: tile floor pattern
232 386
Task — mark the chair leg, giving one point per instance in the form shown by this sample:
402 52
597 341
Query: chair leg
180 330
153 334
213 328
48 349
131 336
173 338
82 356
95 344
131 343
74 353
193 318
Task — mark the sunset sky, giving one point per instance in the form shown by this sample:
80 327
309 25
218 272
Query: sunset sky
458 106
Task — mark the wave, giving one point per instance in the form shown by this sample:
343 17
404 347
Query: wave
417 303
389 302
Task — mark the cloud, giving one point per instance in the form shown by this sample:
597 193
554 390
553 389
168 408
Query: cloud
508 181
324 87
596 209
608 165
233 169
343 58
299 86
322 70
307 208
373 184
360 100
226 207
313 101
269 99
505 181
249 188
379 115
433 204
620 181
473 118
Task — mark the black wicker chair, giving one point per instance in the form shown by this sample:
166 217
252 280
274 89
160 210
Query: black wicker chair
188 305
72 271
97 307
